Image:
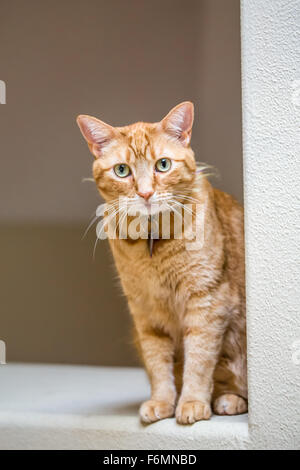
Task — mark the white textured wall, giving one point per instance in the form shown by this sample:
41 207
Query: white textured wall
271 112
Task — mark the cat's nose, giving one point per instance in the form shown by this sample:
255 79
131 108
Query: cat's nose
146 195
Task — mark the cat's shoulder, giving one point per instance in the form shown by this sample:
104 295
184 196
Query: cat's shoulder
229 211
225 202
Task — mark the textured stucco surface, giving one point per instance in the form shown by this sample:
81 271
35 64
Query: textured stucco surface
271 118
80 407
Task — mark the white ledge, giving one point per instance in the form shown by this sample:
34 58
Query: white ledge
83 407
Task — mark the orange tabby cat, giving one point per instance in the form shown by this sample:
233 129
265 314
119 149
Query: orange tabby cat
188 306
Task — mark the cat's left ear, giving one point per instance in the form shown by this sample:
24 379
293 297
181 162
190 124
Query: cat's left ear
97 133
179 122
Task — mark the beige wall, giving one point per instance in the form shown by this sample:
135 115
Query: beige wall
121 61
57 304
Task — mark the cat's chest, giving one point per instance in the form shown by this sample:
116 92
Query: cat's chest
156 280
148 276
161 288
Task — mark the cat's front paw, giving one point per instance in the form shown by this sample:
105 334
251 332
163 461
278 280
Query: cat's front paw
188 412
154 410
230 404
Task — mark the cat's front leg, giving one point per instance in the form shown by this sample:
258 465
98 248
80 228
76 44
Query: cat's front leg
204 324
157 350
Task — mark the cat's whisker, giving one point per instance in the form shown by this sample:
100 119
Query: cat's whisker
111 204
110 216
94 250
164 197
120 213
173 209
199 176
122 220
187 206
90 180
202 167
183 206
186 197
89 226
108 220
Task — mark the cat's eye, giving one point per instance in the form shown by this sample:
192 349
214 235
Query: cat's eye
163 164
122 170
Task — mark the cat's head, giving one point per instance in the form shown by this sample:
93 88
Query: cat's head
144 162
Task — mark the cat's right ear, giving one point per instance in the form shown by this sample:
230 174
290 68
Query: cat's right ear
179 122
97 133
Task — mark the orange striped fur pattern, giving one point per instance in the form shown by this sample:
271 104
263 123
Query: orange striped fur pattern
188 306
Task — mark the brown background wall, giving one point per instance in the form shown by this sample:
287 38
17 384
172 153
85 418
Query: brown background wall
123 62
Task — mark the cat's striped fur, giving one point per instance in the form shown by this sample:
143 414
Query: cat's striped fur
188 307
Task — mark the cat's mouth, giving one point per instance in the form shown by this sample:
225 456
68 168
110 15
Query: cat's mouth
134 206
148 208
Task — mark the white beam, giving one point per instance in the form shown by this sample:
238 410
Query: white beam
271 118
